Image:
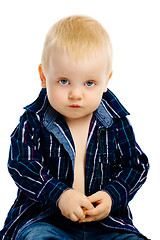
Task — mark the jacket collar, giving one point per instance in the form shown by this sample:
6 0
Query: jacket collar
109 108
40 104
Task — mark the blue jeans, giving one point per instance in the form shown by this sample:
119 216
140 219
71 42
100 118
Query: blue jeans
62 228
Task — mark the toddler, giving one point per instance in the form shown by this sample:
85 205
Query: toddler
73 155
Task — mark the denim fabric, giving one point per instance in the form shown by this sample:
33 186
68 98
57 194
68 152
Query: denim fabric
47 231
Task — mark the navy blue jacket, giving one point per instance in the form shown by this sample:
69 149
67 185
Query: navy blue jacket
41 162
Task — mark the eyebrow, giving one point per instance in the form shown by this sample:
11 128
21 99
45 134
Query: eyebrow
94 77
90 77
61 74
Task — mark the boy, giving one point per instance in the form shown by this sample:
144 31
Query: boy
73 155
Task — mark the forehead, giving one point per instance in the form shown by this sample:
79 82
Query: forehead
61 62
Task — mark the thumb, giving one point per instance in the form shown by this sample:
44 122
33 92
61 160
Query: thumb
94 197
87 204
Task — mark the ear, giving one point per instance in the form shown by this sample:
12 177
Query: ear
110 75
42 77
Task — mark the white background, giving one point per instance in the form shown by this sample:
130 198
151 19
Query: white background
134 28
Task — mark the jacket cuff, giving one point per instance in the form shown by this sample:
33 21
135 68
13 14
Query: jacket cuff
50 193
118 194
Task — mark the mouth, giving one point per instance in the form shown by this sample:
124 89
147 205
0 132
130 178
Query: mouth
74 106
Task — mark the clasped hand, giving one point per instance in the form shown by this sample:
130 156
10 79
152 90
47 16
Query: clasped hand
77 207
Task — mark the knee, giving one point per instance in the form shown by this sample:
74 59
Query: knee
40 231
36 232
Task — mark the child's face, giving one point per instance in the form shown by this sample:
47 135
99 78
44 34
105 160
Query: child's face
75 89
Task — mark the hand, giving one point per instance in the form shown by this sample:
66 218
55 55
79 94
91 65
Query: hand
72 204
103 208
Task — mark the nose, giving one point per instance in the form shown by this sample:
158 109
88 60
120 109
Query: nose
75 94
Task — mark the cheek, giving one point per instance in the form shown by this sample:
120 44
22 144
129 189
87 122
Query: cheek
96 96
56 97
94 100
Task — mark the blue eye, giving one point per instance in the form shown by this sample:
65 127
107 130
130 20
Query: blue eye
90 84
64 82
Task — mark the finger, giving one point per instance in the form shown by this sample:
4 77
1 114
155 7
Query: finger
86 204
73 217
96 211
93 218
80 213
87 219
95 197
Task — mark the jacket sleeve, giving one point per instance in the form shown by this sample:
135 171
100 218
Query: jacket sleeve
26 163
129 170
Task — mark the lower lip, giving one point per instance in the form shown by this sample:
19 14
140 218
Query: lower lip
74 106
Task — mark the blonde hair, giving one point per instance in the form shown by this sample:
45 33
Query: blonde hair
78 36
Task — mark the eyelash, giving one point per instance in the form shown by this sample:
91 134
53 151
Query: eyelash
91 83
66 82
61 80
